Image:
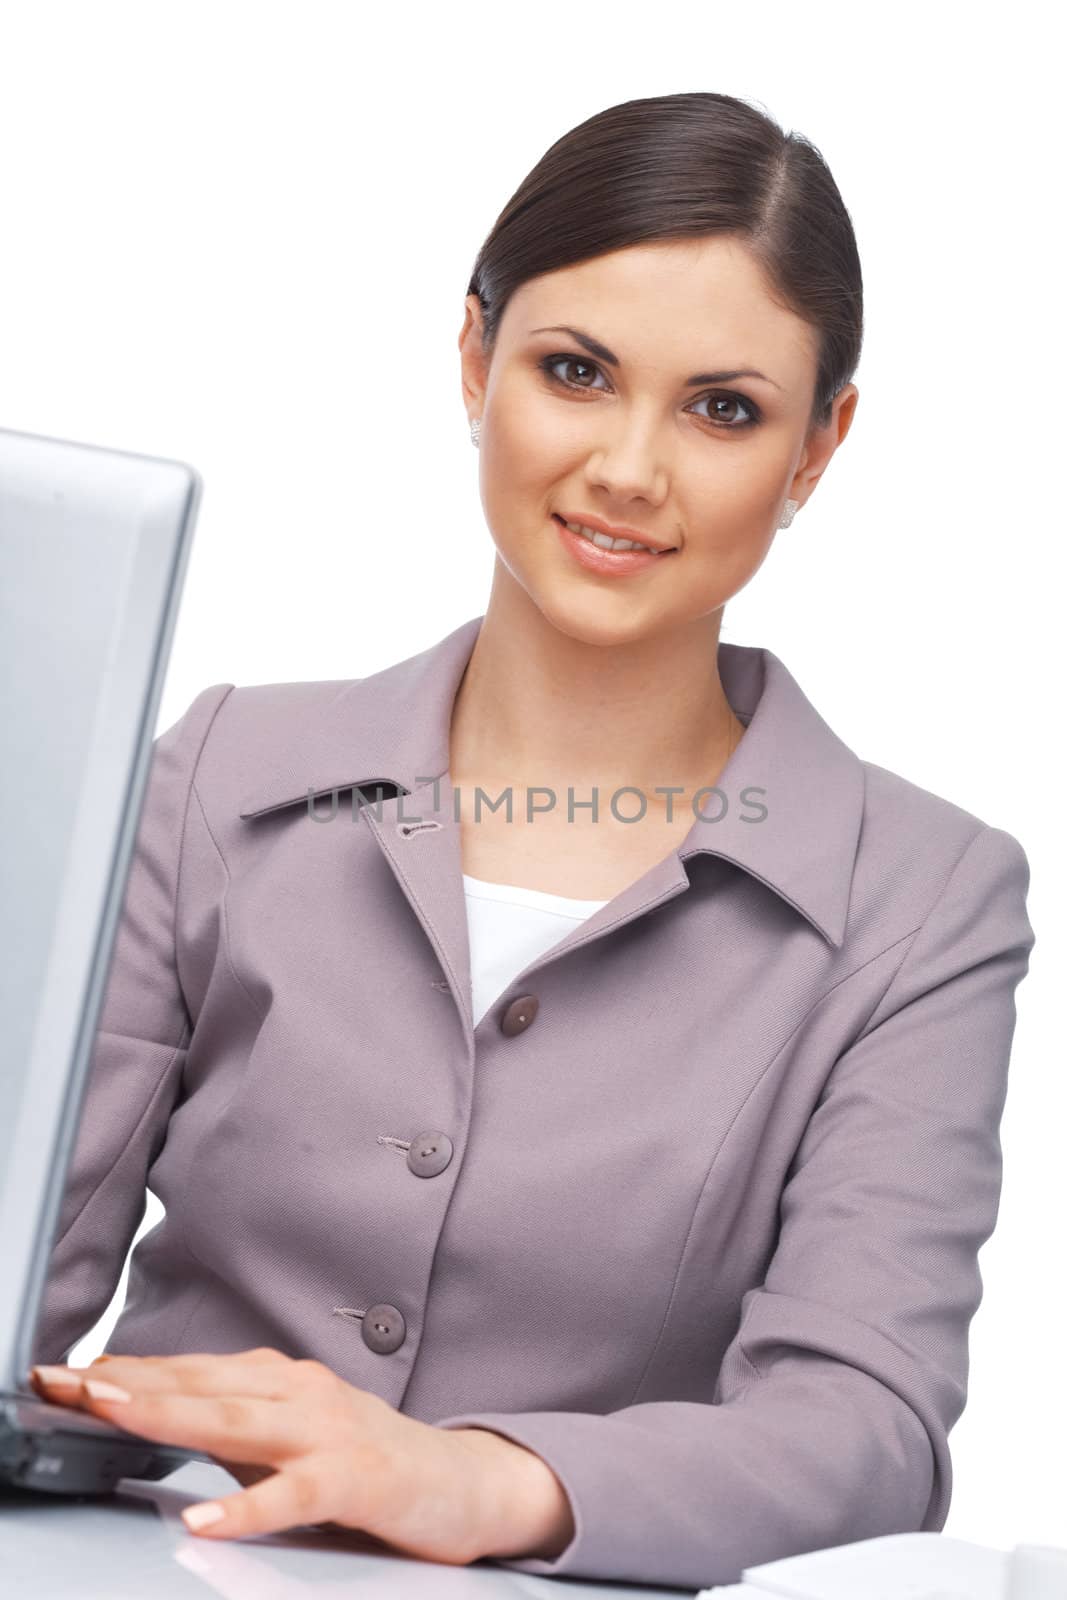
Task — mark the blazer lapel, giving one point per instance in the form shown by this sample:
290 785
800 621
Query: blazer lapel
387 736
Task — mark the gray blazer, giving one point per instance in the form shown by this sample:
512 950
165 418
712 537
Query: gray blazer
696 1220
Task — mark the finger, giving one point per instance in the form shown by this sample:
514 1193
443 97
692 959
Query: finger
234 1427
58 1385
263 1373
65 1386
288 1499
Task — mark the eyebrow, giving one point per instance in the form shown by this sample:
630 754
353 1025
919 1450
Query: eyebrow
602 353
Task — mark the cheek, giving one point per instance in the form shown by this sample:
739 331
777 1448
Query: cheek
735 487
530 444
730 510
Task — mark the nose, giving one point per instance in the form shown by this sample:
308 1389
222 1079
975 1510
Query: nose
627 462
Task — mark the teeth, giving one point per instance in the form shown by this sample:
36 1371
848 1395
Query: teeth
605 542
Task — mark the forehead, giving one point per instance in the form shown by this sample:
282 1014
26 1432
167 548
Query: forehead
671 303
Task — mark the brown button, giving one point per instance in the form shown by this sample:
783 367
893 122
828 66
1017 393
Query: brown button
383 1329
429 1154
519 1014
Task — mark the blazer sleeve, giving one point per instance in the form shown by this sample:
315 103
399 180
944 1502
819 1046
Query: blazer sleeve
138 1055
833 1403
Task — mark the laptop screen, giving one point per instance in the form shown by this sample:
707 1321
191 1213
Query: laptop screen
93 549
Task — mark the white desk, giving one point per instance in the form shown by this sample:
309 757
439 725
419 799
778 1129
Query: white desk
134 1546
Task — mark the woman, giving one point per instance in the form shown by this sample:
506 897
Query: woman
595 1183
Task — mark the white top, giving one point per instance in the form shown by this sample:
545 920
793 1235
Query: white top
509 927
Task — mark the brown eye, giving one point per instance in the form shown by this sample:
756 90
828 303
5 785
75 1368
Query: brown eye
577 373
583 370
724 410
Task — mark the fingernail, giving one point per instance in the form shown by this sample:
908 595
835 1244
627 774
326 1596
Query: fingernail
98 1390
57 1375
202 1516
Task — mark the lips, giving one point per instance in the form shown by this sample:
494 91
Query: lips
594 525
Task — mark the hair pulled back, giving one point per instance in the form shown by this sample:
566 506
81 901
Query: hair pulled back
681 166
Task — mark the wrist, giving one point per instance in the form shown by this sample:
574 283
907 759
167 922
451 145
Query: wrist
525 1510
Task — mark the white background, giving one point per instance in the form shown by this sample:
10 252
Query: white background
241 235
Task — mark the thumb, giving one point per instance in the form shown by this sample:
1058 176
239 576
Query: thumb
289 1499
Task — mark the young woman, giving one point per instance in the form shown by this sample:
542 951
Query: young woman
572 1076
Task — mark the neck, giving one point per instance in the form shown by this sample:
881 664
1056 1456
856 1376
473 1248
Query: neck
538 706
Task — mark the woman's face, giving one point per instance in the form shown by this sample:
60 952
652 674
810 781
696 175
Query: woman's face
621 432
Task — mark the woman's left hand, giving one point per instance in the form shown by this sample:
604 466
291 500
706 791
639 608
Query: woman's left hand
326 1452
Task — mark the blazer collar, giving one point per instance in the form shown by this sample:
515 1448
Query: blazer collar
393 728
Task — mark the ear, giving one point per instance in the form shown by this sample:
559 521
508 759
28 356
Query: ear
822 442
474 366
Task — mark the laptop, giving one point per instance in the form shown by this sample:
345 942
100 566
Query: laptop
93 550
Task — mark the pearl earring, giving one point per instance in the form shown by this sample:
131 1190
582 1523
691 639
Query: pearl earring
476 428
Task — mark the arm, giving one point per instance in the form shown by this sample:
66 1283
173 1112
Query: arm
835 1399
138 1056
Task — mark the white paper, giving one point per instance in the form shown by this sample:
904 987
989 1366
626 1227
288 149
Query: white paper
898 1566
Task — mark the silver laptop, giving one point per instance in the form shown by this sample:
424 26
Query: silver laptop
93 549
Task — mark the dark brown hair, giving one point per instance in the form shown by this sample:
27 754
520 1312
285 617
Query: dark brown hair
682 165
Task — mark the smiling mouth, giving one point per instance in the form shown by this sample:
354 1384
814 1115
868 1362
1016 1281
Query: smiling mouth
601 541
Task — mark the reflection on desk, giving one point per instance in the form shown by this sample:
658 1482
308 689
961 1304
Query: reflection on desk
134 1546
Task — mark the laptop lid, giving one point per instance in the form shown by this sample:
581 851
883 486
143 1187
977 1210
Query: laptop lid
93 549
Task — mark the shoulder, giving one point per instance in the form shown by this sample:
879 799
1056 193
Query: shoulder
273 711
233 736
900 811
914 843
254 716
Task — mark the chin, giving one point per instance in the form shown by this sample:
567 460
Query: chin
600 619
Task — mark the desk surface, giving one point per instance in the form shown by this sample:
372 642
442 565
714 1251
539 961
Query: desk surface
134 1546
